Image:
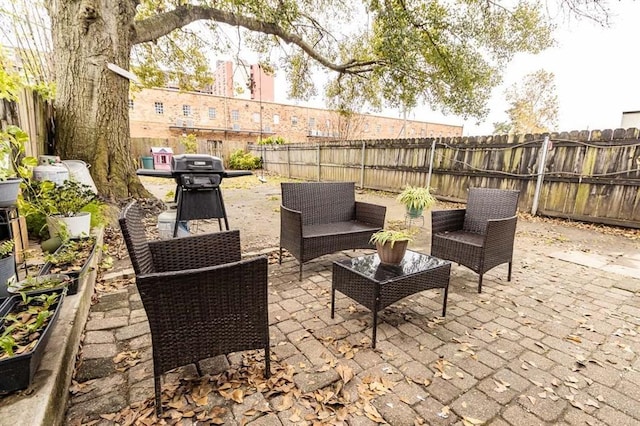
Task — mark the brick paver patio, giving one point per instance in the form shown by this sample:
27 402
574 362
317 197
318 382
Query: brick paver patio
557 345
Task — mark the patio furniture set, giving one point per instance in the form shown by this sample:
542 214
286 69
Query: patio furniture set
230 311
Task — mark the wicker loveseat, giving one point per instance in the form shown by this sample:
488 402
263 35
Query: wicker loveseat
481 236
318 218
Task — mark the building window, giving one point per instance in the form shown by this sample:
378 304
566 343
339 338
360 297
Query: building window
366 127
235 115
267 128
186 110
312 123
256 117
328 124
378 129
212 113
294 120
236 126
276 119
159 106
130 103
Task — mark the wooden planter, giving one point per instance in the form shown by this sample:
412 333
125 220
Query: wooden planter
79 274
17 372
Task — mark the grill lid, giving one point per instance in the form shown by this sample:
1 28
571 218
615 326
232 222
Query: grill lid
196 163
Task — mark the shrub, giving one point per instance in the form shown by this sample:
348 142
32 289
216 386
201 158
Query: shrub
273 140
241 160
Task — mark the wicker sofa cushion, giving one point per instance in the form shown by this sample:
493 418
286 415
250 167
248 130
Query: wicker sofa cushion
336 228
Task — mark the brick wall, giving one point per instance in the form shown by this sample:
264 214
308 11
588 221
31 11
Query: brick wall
237 121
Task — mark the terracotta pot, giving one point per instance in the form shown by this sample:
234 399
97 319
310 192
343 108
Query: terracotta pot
392 255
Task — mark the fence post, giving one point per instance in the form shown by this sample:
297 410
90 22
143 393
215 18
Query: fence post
362 168
431 157
318 162
541 166
288 161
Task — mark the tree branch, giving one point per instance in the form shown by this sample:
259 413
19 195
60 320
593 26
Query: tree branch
160 25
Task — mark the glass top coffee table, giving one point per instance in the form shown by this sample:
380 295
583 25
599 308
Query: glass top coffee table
376 286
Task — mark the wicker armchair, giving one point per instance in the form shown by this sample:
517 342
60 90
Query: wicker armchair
481 236
201 299
318 218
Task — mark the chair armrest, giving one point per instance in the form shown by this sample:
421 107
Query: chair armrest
195 251
500 234
373 214
447 220
290 226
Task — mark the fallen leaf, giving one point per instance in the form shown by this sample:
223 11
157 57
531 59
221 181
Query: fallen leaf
592 403
345 372
444 413
470 421
574 338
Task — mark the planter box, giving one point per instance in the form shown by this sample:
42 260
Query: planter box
78 277
17 372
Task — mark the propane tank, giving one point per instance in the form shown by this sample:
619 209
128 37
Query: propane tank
50 168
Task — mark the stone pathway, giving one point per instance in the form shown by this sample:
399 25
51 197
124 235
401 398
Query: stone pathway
560 344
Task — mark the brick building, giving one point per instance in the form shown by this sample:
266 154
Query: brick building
223 124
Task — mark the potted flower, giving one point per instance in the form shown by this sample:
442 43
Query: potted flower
13 163
7 267
391 244
416 199
25 324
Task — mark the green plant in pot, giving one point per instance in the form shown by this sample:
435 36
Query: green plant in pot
14 165
416 199
391 244
72 205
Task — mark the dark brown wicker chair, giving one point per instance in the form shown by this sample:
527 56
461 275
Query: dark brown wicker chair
201 299
318 218
481 236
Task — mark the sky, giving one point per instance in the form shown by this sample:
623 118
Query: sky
595 75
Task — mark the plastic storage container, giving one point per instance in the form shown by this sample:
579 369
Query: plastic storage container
55 173
166 222
147 162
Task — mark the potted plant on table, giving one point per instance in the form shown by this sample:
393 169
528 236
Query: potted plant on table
392 244
416 199
14 165
25 324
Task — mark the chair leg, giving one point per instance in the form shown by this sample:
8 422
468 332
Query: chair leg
509 276
480 284
280 257
158 389
300 274
267 362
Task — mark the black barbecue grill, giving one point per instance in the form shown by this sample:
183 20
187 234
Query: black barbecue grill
198 194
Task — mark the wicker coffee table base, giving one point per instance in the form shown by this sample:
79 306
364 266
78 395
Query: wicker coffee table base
377 294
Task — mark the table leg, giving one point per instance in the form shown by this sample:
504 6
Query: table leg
444 301
333 301
375 328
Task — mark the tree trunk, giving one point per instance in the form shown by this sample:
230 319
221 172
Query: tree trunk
91 105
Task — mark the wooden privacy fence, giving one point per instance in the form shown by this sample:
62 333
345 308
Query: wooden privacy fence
589 176
33 115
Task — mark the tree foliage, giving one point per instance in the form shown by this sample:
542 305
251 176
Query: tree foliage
533 105
398 53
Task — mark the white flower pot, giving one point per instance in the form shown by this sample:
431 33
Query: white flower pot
77 226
